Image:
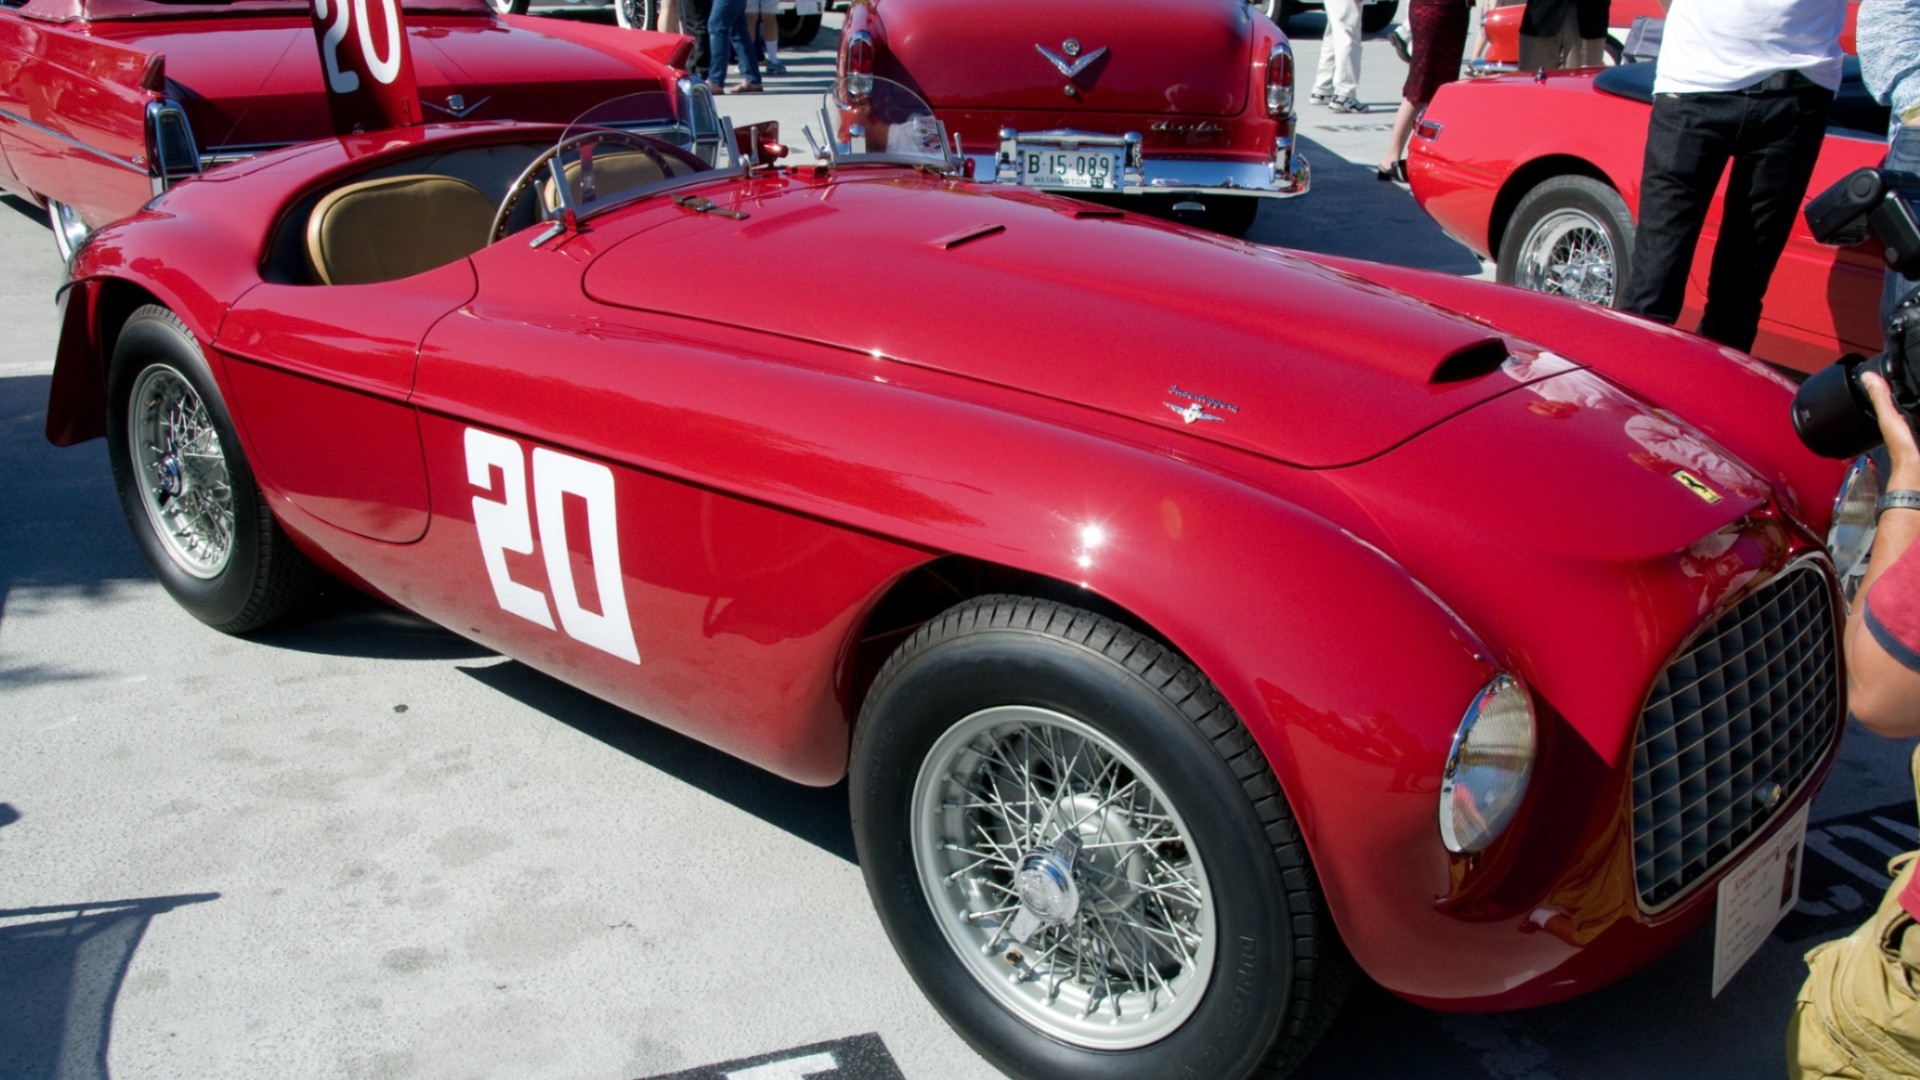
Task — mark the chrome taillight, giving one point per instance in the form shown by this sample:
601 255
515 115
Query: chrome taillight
1280 81
857 66
172 153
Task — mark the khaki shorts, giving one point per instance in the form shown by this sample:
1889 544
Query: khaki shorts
1858 1016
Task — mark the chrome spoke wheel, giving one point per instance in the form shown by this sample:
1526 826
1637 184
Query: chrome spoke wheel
1031 824
181 471
1568 253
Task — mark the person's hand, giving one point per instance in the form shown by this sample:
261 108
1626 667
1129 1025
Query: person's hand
1903 455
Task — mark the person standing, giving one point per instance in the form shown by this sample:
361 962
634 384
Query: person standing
1556 35
694 15
1336 81
1744 83
1888 41
727 34
1439 41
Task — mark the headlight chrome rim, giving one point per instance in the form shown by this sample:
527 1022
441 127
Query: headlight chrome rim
1463 837
1850 536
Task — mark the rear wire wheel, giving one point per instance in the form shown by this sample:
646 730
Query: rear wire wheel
1012 746
1569 236
196 513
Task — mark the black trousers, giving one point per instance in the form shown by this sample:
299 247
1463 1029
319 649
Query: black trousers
1771 140
693 20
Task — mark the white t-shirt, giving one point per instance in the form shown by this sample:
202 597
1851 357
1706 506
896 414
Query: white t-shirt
1731 44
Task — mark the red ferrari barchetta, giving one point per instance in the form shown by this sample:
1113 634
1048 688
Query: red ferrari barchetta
1188 648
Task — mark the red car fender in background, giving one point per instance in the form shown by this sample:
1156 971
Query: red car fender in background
1503 28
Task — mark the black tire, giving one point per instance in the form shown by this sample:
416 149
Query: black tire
1570 236
796 29
1377 17
1064 674
508 7
636 14
256 576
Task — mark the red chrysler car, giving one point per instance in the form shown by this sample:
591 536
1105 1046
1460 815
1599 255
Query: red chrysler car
1172 106
103 103
1186 649
1542 175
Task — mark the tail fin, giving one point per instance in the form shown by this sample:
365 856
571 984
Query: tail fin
367 64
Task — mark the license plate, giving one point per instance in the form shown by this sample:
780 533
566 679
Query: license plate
1092 169
1754 897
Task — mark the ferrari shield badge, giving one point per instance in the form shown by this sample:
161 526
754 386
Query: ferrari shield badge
1697 486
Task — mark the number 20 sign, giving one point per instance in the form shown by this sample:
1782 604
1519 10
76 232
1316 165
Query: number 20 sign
368 68
507 518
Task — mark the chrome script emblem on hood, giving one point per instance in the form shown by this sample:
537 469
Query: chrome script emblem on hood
1195 410
1075 67
457 106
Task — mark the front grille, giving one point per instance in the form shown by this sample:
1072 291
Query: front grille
1733 726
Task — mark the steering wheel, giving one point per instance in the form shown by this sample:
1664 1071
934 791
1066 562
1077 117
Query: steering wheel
536 171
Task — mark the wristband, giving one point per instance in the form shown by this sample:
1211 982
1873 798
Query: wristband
1897 500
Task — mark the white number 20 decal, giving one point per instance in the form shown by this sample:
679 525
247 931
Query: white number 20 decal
504 524
383 70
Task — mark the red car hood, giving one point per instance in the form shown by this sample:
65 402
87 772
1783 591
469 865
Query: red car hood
1187 56
1298 362
256 80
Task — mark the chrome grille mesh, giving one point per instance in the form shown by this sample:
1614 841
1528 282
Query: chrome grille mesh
1737 721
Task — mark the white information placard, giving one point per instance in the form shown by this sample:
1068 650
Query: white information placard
1754 897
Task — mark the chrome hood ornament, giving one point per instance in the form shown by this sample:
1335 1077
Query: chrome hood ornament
457 106
1072 48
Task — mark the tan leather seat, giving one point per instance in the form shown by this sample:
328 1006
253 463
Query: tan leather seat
614 172
395 227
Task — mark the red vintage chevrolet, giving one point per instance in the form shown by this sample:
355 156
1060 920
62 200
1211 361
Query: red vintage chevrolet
104 103
1187 649
1172 106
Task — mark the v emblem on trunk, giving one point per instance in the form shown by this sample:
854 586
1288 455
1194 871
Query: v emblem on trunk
1075 67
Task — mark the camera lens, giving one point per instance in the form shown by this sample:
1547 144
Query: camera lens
1830 414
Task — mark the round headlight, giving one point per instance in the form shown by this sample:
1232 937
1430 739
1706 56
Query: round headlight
1850 540
1488 767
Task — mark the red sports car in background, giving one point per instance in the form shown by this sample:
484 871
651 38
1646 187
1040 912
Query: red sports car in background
1177 105
103 103
1502 26
1543 175
1184 646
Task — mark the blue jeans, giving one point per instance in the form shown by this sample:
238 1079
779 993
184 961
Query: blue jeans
1903 153
727 34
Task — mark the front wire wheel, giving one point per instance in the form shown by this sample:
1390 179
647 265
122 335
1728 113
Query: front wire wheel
1136 957
1082 856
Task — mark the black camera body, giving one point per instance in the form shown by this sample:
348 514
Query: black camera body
1831 413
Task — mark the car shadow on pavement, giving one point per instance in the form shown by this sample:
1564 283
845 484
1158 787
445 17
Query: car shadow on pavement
63 966
62 528
1350 212
818 816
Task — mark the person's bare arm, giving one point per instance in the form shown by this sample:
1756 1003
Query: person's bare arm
1883 693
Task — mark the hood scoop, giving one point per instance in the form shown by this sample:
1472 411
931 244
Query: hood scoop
1471 362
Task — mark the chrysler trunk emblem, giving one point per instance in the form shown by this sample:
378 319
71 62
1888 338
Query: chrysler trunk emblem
1070 47
457 106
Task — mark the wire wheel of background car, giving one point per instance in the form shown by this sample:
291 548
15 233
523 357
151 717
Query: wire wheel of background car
508 7
1377 17
196 514
636 14
797 29
68 230
1082 856
1571 236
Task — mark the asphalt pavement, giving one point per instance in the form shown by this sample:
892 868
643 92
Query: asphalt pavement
362 847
